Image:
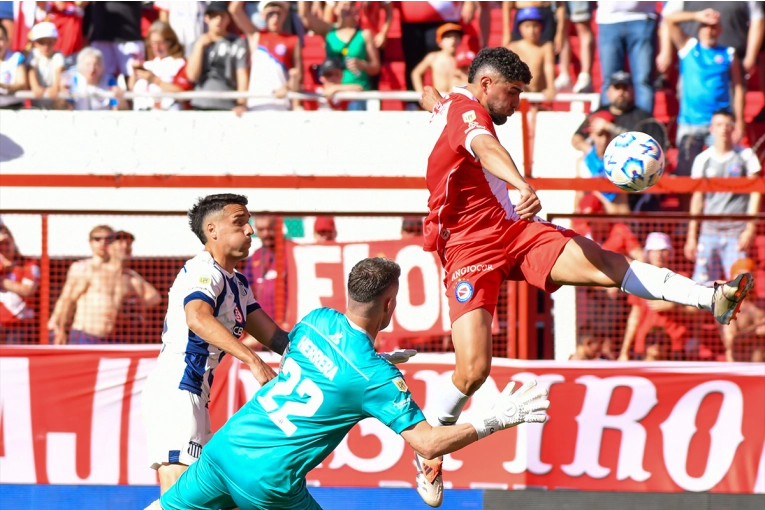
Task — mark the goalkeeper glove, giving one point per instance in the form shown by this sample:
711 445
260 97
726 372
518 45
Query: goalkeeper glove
399 355
512 409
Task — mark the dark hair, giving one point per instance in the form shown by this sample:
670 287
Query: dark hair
4 31
503 61
370 277
207 205
724 111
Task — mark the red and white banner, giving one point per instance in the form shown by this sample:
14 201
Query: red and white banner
72 415
318 274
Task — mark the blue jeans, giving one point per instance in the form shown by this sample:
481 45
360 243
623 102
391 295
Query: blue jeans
636 40
357 106
714 256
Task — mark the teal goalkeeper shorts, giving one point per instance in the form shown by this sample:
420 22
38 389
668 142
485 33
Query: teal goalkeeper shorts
203 486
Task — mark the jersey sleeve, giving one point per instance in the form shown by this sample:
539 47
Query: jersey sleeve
752 163
697 169
388 399
180 79
242 60
205 285
466 121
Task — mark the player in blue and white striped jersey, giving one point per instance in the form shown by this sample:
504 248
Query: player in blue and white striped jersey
210 307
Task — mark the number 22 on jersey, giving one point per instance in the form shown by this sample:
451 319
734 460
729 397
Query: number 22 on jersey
279 415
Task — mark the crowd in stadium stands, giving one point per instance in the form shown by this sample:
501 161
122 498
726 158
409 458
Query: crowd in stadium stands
708 54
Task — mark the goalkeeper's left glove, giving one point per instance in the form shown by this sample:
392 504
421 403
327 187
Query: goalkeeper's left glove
399 355
512 409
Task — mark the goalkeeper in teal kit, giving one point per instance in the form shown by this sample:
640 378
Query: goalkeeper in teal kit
330 379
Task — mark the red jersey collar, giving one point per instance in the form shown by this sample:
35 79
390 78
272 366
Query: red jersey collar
465 92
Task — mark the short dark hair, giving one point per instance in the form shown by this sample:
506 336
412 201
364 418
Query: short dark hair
584 332
207 205
726 112
370 277
503 61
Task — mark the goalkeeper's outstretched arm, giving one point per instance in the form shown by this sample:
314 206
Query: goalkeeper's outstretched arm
526 405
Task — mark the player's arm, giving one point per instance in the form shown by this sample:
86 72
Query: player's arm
697 204
629 334
673 20
753 168
510 409
263 329
419 71
200 320
549 70
497 161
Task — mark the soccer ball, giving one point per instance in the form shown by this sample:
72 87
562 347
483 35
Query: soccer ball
634 161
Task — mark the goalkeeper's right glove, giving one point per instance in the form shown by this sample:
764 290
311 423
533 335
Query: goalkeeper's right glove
512 409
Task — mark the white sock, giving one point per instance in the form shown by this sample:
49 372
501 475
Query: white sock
450 405
154 506
651 282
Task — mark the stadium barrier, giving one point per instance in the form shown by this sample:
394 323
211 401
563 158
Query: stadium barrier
72 416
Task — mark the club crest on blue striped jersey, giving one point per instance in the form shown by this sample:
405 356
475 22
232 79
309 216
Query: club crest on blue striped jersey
634 161
463 292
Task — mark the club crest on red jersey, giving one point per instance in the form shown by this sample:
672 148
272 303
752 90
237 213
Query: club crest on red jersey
463 292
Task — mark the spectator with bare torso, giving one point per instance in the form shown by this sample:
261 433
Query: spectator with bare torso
588 345
94 292
442 63
260 268
19 278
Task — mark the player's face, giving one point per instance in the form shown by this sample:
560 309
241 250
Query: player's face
530 30
274 16
450 41
502 98
158 44
708 34
233 230
592 347
217 22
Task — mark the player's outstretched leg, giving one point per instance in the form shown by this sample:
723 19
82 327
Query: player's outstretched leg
471 336
583 262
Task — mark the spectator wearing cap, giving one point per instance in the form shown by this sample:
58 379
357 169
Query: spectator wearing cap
722 242
276 65
68 17
708 74
187 20
348 42
13 76
163 71
421 20
115 30
90 81
441 63
19 279
540 58
324 229
462 71
329 76
618 116
748 330
628 29
645 315
591 165
219 62
45 64
553 28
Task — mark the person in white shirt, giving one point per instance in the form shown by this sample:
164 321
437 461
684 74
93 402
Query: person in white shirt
210 308
45 65
12 75
165 71
90 81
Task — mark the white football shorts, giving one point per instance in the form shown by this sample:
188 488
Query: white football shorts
177 421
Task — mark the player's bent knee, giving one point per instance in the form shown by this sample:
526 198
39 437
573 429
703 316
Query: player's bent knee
471 377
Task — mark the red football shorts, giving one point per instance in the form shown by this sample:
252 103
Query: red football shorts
526 250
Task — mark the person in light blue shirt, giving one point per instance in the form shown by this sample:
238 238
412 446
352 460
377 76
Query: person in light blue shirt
331 378
710 75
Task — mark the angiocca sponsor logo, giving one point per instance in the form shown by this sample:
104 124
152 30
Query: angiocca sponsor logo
475 268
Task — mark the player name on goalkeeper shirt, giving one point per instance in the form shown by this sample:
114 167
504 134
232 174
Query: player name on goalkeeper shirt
320 360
